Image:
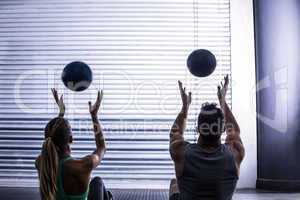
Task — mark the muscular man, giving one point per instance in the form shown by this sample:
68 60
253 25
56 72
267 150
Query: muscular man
207 169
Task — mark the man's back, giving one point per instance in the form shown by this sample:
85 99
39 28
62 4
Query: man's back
208 175
207 170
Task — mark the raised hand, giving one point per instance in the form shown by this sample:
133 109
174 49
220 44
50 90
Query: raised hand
222 90
186 99
59 102
95 107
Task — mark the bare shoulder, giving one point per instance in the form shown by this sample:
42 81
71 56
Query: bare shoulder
78 167
237 148
177 151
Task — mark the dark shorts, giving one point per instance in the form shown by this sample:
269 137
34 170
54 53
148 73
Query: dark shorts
175 196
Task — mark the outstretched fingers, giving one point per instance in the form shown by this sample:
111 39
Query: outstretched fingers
55 95
226 80
61 99
99 97
219 93
95 107
190 97
180 87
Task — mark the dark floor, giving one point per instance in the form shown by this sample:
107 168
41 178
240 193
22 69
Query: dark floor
32 194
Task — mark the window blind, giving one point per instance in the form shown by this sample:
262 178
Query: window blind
137 51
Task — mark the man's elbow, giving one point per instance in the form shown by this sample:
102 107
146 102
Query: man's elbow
175 136
171 135
233 129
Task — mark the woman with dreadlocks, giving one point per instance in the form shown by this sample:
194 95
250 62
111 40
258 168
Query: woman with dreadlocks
62 177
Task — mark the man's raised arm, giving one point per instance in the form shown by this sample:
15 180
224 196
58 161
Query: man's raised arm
232 128
177 130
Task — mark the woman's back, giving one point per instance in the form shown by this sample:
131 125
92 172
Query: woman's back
71 184
60 176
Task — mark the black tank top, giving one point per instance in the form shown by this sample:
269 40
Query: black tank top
208 175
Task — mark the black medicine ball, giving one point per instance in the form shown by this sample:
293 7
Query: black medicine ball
77 76
201 63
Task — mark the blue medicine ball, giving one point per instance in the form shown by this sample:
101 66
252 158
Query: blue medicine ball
201 63
77 76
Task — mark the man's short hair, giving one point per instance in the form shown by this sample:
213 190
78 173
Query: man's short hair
211 122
